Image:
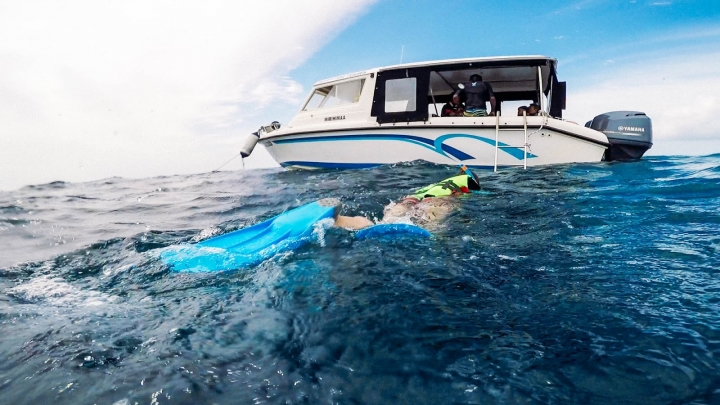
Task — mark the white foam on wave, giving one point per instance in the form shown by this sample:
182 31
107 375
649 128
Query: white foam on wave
57 292
206 233
319 229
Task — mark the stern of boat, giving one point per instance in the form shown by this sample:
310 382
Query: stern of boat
629 133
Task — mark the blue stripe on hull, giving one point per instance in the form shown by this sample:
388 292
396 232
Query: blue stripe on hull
436 145
330 165
334 165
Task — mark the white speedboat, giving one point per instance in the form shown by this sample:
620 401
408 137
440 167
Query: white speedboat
391 114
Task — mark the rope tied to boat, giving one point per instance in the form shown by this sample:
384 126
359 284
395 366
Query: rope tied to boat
233 158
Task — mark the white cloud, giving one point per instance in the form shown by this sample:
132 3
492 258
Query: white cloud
680 93
92 89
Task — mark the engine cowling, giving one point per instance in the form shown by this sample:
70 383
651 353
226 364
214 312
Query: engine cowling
629 133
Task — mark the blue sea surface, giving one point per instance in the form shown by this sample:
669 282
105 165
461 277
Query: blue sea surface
573 284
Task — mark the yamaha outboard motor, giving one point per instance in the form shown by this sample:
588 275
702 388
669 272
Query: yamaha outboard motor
629 133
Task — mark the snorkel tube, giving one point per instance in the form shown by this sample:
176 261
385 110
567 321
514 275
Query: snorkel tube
470 174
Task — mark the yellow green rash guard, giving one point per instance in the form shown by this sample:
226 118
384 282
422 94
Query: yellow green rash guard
453 185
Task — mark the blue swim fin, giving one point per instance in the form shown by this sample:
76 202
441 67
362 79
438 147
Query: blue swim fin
252 245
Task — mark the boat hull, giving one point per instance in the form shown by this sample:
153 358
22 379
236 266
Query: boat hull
472 146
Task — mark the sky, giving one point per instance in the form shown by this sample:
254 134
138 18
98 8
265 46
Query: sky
97 89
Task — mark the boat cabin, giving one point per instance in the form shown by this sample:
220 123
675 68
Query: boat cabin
417 91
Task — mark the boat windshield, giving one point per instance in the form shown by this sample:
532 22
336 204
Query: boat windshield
335 95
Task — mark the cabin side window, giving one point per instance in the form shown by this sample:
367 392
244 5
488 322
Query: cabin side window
335 95
400 95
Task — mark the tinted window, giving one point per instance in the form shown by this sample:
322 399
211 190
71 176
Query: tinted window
400 95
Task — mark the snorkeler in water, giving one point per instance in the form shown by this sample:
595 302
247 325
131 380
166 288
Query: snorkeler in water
425 207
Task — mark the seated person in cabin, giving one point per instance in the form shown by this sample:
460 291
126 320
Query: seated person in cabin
453 108
477 94
425 208
533 109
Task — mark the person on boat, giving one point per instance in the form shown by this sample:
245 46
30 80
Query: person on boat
533 109
425 207
453 108
477 94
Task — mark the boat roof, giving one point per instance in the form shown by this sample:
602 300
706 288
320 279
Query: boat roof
522 60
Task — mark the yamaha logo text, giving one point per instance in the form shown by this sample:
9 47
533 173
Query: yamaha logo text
632 129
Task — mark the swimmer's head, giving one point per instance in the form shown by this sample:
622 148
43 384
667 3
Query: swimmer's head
396 212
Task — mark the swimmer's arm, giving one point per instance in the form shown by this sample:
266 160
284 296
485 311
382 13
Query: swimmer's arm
353 223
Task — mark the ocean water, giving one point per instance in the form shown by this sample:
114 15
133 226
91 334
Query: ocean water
576 284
